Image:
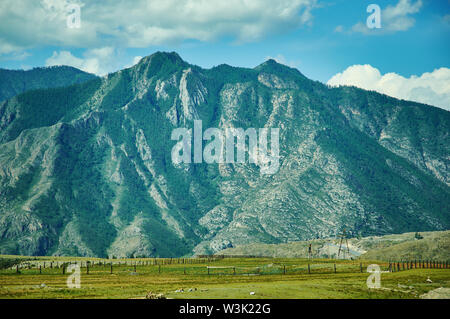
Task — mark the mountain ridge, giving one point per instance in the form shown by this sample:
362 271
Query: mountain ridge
14 82
100 180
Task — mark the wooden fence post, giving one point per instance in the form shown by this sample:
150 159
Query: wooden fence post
334 267
40 269
360 267
309 269
17 268
111 270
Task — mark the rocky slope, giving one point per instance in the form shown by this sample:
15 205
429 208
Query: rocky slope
87 170
407 246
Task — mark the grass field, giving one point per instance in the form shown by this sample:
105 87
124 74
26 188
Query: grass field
227 278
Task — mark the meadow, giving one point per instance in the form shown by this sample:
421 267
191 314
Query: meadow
238 278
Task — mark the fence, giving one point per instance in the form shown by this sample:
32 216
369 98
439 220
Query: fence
395 266
193 266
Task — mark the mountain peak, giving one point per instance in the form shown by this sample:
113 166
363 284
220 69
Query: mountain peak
270 63
272 66
163 57
160 63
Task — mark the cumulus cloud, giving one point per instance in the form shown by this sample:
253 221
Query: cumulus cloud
135 61
98 61
141 23
430 88
393 18
339 29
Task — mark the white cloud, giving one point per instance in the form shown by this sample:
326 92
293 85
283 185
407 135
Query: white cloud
141 23
135 61
98 61
393 18
431 87
15 56
339 29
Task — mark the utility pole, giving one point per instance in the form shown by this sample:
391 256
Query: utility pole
342 237
309 251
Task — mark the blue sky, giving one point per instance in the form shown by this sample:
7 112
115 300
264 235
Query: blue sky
320 38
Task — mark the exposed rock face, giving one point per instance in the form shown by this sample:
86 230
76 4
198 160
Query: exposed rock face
87 170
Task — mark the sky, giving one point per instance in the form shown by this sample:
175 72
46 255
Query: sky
330 41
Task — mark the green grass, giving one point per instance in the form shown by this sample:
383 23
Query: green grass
264 276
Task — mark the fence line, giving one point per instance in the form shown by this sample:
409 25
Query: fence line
159 263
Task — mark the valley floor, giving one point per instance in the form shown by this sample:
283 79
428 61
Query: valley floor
268 278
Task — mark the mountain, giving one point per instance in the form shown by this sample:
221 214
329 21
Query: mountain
14 82
87 169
